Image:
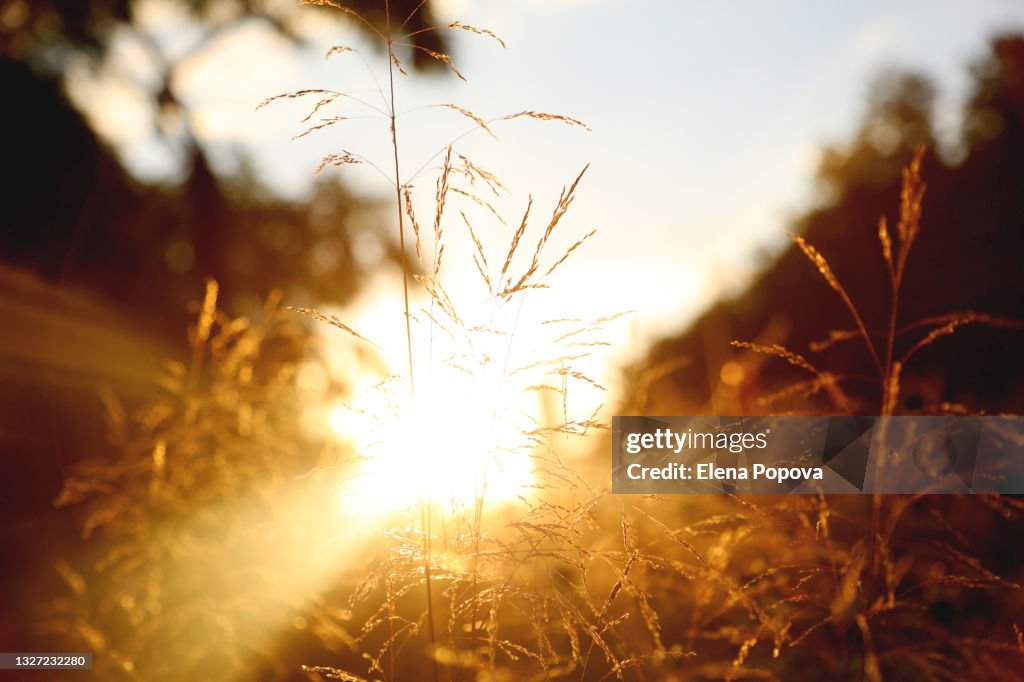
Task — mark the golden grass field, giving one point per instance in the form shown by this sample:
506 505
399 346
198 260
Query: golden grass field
441 509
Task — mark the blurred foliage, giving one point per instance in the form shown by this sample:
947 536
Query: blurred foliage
968 258
148 246
49 33
80 218
200 521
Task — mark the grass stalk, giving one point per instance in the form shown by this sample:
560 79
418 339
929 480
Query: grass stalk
392 116
424 507
425 512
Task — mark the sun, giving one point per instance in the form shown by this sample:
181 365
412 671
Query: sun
465 435
447 446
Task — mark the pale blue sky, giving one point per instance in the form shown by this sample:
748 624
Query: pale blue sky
706 117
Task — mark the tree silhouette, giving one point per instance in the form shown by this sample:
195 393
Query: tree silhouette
79 217
967 258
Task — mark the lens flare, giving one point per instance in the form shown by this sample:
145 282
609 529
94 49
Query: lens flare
439 447
466 435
